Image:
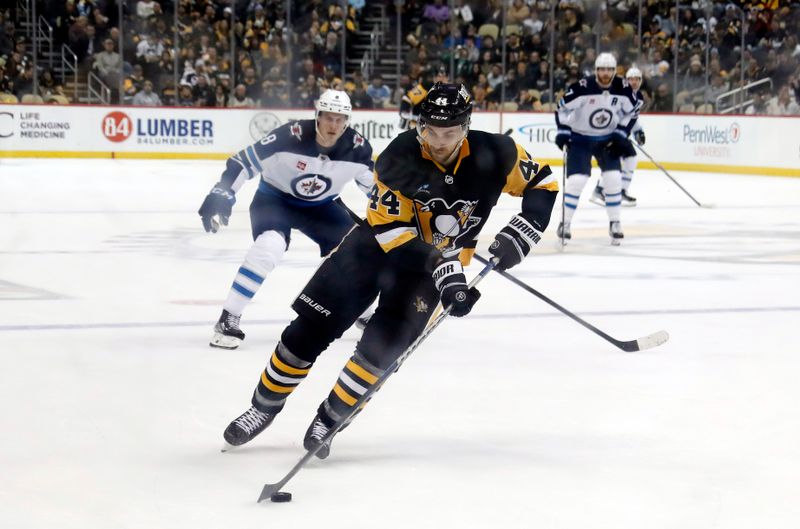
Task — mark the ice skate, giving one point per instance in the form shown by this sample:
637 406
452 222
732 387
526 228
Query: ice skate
627 200
563 231
227 334
245 427
615 230
316 431
597 196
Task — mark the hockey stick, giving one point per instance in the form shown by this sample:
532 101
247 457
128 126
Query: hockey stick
646 342
670 176
563 197
272 488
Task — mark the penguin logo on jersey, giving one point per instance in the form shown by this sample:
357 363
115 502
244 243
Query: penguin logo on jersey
600 118
443 224
311 185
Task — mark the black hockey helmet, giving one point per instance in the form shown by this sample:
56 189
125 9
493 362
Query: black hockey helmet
446 105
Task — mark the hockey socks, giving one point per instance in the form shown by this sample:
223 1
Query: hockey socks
283 374
354 380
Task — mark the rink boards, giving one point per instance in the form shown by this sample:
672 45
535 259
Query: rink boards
729 144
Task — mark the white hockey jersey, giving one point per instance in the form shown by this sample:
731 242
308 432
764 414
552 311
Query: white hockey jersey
290 164
589 110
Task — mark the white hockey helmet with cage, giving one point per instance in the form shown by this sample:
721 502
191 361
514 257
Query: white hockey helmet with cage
605 60
335 101
633 73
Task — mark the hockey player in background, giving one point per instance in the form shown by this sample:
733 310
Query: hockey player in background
302 167
434 189
629 158
594 119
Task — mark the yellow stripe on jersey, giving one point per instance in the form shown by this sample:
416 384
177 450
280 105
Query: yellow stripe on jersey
275 387
523 172
286 368
361 372
342 394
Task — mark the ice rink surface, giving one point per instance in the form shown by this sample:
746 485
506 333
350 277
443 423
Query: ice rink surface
112 404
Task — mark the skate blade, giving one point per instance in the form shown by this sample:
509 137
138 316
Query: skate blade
227 447
629 204
615 242
224 342
599 202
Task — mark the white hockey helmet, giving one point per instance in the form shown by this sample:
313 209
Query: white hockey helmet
633 73
335 101
605 60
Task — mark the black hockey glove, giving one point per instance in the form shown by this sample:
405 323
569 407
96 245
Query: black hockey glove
514 242
639 137
618 145
562 139
452 284
219 202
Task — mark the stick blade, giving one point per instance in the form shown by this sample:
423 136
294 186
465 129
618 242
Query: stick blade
652 340
268 490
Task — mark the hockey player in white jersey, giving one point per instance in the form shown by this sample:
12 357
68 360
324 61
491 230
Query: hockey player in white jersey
302 167
629 158
594 119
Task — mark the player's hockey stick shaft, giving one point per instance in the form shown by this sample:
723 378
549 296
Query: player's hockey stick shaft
667 174
271 488
563 196
645 342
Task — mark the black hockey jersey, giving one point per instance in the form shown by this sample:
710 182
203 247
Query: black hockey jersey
590 110
289 162
417 199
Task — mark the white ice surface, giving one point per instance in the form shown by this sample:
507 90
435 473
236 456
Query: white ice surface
112 405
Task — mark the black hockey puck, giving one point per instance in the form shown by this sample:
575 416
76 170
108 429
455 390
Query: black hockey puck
281 497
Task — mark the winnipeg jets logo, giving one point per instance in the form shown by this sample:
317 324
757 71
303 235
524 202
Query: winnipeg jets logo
309 186
296 131
358 141
600 118
443 224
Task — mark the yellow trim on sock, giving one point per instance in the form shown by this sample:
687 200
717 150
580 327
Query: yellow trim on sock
286 368
274 387
361 372
342 394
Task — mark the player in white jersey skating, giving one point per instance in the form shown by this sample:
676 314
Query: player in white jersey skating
629 158
594 119
302 167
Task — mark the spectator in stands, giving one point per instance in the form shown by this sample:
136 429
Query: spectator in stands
518 12
240 99
203 93
783 104
662 99
437 12
220 96
379 92
146 97
108 65
148 53
759 105
135 82
717 87
185 96
307 92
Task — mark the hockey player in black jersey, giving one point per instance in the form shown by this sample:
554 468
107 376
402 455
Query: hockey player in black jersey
434 189
594 119
302 167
